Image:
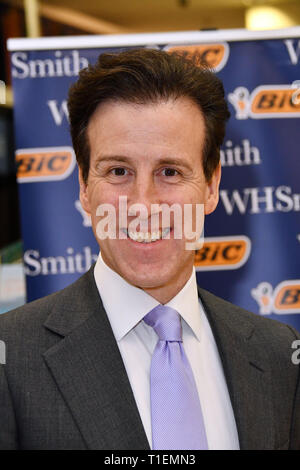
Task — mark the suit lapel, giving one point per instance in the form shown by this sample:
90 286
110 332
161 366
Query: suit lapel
246 372
88 370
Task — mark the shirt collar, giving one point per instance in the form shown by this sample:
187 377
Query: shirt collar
126 305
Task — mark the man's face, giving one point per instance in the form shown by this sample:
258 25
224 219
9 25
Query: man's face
152 154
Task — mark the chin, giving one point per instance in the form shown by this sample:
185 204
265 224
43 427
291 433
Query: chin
150 280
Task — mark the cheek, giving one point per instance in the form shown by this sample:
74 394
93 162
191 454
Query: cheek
100 193
186 195
191 201
104 211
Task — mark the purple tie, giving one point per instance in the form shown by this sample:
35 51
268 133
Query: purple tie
177 421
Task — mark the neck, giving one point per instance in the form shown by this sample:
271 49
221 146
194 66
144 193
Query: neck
164 293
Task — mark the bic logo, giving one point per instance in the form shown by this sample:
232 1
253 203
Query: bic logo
44 164
213 55
219 253
285 299
266 101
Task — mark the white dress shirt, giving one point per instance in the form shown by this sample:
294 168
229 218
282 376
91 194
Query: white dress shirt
126 305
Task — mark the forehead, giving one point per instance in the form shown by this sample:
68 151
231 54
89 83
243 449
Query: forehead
177 123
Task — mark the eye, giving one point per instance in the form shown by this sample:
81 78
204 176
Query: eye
119 171
170 172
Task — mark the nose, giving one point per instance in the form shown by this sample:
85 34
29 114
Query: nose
144 198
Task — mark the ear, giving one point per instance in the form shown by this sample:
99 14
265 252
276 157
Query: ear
83 193
212 191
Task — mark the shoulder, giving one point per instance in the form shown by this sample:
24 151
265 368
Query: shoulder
247 338
30 317
240 319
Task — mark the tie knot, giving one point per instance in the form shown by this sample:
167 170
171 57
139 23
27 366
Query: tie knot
166 323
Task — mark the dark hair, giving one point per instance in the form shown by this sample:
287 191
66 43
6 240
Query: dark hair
147 76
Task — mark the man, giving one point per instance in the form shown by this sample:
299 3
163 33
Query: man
147 127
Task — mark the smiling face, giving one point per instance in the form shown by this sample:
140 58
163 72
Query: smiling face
152 154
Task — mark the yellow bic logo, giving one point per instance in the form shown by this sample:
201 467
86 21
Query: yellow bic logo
213 55
267 101
220 253
274 101
287 297
284 299
44 164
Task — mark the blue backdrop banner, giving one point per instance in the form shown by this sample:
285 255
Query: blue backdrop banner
251 254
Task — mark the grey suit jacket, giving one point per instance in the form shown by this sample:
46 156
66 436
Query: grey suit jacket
64 385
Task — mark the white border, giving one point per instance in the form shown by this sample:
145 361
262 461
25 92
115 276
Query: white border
225 267
38 179
123 40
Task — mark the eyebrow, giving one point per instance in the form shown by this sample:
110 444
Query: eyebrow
125 159
118 158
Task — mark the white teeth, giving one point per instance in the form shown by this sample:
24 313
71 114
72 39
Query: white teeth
148 237
133 235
